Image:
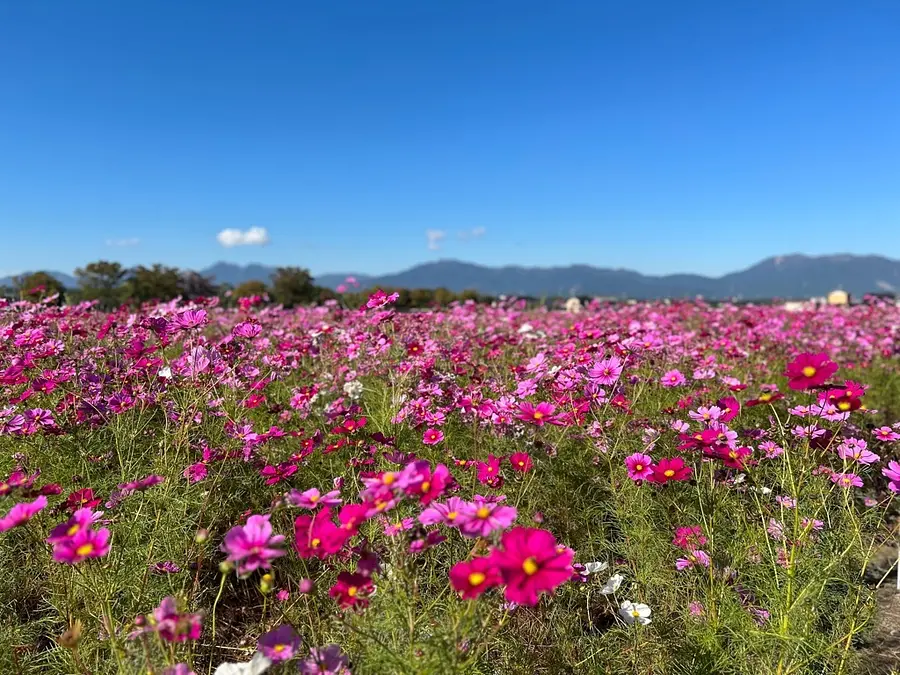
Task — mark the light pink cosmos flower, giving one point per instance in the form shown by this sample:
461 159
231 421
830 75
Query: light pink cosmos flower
857 452
892 473
695 557
252 546
640 466
673 378
312 498
606 372
846 480
482 517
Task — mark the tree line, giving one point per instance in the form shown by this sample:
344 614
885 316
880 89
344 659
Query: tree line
112 285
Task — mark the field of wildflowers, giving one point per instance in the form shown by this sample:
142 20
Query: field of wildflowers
650 488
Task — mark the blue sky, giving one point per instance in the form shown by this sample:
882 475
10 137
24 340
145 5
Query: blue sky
658 136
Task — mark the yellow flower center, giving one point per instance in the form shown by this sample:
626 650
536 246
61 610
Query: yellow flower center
765 397
451 515
388 479
635 613
316 542
483 512
426 486
844 405
538 415
73 530
809 371
352 591
638 467
314 499
476 579
530 566
85 549
668 473
279 648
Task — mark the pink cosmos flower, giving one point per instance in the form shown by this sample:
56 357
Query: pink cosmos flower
606 372
539 414
809 370
521 462
689 538
453 513
80 520
85 543
481 517
174 626
846 480
280 644
694 557
312 498
21 513
489 471
670 468
857 452
640 466
474 577
424 483
432 436
892 473
252 546
673 378
531 563
886 434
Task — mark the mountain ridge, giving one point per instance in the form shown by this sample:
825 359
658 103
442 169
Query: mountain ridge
784 276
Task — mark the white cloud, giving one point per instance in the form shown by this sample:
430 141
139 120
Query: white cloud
434 239
131 241
885 286
255 236
474 233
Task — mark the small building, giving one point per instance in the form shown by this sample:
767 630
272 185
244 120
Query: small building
838 298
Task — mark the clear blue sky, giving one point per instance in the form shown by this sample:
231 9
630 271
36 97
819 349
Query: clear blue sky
660 136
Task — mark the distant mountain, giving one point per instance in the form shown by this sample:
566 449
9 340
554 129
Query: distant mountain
791 276
66 280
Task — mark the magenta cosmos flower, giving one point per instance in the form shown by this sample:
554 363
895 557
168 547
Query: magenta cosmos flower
670 468
640 466
809 370
85 543
252 546
531 563
473 577
432 436
846 480
21 513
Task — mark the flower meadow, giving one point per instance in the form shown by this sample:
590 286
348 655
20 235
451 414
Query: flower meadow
647 488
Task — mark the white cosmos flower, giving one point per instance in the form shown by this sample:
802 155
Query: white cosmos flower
612 585
165 372
256 666
635 612
594 567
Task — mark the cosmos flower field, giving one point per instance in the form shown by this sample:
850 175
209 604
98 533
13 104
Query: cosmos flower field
647 488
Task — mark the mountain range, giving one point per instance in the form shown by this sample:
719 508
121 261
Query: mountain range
790 276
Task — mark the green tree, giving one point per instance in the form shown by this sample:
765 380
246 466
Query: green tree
292 286
250 288
101 281
38 285
195 285
153 283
